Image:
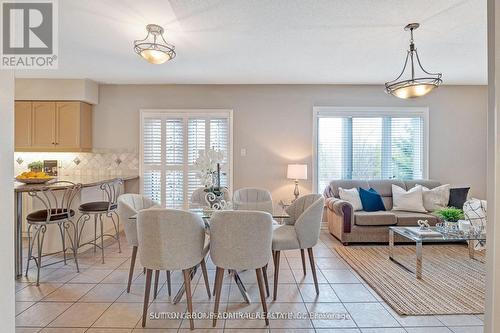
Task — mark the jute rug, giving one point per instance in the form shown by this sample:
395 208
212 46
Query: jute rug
451 283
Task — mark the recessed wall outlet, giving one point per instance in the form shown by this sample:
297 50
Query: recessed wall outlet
243 152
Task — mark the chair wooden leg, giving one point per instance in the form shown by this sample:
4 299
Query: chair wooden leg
205 277
266 281
169 286
313 268
132 265
258 271
219 276
276 272
302 255
147 290
189 296
157 277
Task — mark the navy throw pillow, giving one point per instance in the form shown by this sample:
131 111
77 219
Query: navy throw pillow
371 200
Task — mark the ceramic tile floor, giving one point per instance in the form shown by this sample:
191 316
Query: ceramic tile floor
95 300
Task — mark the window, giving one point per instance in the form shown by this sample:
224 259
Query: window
369 143
170 142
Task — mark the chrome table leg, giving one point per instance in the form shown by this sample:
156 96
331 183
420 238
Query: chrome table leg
419 260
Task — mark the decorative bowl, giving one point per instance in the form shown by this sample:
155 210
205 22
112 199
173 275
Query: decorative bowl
34 180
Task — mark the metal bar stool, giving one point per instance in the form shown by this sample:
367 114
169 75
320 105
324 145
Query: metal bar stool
57 212
97 209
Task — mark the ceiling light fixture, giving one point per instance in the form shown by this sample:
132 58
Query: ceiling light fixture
154 49
415 86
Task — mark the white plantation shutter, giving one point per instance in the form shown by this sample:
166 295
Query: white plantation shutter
170 145
152 158
370 145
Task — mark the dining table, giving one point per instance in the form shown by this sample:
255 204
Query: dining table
279 215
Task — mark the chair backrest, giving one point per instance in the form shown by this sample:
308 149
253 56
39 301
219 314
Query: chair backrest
240 239
308 224
129 205
112 190
57 198
253 199
299 206
198 197
170 239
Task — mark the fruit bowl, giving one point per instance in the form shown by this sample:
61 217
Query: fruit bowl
34 180
34 177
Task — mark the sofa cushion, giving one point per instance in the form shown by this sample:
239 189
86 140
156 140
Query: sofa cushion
384 186
410 218
371 200
333 187
379 218
424 182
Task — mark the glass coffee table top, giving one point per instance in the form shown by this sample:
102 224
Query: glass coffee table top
430 235
438 235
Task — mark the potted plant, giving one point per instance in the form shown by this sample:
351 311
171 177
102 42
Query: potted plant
450 216
36 166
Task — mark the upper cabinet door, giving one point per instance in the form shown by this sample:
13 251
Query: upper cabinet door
44 121
68 125
23 124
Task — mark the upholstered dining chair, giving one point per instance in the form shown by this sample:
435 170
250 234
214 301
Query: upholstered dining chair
249 198
171 240
129 205
240 240
300 231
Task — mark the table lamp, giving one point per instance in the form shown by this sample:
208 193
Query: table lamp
296 172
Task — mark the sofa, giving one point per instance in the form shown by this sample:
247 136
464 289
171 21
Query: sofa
351 226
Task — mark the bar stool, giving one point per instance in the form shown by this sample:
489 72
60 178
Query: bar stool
57 212
97 209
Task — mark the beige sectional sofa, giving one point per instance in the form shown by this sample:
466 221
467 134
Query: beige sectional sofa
365 227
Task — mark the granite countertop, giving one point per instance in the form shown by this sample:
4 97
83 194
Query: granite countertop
86 181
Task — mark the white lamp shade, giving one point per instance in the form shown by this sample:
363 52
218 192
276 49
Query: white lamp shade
297 171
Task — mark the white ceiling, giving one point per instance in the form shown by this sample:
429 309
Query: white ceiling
271 41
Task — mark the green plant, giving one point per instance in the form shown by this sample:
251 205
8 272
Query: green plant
37 165
450 214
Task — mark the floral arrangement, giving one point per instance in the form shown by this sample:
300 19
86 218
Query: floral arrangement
208 165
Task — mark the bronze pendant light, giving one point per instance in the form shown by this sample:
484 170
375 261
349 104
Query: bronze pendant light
414 86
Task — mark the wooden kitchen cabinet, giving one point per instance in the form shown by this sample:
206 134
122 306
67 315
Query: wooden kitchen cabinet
53 126
23 121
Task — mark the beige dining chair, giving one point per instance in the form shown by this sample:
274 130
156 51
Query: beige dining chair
129 205
240 240
171 240
250 198
300 231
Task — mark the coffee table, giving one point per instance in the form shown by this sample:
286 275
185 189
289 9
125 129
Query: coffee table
421 239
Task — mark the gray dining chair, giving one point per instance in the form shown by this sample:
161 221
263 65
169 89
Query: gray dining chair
129 205
171 240
300 231
57 200
250 198
240 240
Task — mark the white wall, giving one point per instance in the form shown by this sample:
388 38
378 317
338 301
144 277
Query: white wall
274 124
7 287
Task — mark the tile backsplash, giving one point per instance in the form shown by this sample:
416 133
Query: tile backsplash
106 162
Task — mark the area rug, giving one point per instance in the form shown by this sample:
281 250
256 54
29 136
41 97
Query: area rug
451 283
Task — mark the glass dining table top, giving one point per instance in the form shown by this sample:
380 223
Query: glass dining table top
278 213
